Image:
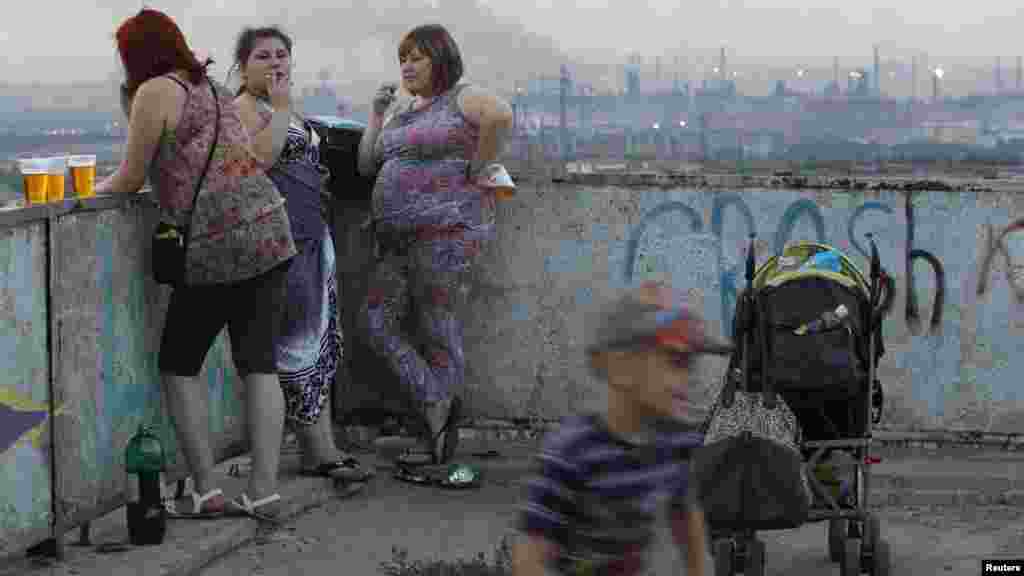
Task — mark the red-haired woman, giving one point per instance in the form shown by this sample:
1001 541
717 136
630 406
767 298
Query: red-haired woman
430 217
240 247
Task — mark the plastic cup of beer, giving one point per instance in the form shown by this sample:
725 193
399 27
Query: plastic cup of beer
56 172
35 178
498 180
83 175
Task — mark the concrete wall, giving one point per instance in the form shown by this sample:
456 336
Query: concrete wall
562 248
101 315
76 295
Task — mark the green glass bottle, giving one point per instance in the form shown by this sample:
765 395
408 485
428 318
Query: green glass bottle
144 463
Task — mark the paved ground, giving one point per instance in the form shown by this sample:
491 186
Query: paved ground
355 536
438 524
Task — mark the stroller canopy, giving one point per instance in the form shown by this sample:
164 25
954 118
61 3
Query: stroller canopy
796 262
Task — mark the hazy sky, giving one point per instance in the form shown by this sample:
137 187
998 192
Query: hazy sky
356 37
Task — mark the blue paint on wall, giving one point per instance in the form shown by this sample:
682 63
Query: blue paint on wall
584 296
573 256
520 312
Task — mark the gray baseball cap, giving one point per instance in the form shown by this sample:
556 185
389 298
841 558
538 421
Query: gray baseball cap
654 315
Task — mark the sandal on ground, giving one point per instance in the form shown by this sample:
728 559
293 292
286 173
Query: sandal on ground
243 506
427 455
453 478
412 476
347 489
346 468
198 512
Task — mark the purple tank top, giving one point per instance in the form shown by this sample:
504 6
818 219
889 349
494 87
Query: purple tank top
422 181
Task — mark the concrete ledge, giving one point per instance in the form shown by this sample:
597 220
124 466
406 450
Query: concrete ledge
190 545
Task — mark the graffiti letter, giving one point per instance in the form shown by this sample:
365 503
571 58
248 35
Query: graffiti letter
729 275
789 218
852 224
913 315
997 243
696 225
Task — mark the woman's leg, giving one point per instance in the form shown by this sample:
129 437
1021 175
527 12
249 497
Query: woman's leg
265 413
436 290
317 441
187 399
184 342
256 308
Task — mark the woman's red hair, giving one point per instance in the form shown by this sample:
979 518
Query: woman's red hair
151 45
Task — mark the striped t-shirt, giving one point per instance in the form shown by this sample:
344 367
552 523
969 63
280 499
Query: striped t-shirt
597 496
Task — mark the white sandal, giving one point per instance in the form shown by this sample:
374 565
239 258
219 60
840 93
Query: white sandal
246 507
197 507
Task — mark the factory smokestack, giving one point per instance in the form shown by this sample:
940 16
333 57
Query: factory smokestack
878 74
1020 72
913 78
722 65
835 69
999 75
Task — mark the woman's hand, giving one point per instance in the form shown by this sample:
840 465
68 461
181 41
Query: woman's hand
383 98
279 87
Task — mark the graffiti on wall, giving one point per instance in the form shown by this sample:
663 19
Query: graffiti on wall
997 243
22 418
803 208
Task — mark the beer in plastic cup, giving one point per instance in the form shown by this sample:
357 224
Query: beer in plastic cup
34 175
83 175
56 171
496 178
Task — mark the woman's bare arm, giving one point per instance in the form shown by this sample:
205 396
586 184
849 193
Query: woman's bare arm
493 116
368 150
267 130
149 113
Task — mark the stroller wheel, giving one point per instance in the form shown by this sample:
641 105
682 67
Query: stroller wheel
837 528
873 534
724 552
850 565
754 564
881 559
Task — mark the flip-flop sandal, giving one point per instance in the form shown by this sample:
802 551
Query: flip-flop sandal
114 547
412 476
348 469
197 512
242 506
347 489
487 455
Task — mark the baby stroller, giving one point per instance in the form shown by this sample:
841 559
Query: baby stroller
808 333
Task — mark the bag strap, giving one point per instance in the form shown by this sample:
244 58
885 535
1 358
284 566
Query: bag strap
209 159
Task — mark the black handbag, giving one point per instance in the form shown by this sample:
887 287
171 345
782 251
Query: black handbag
170 241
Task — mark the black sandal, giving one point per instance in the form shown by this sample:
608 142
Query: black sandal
428 456
348 469
453 478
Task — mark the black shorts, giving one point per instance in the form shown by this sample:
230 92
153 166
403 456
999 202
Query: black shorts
251 309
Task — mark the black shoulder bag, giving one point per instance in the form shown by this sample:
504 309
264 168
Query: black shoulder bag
170 241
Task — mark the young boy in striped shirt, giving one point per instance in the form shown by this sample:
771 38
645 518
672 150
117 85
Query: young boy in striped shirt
601 480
